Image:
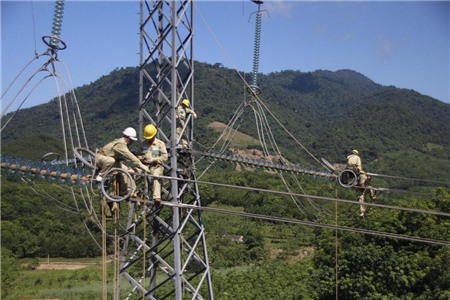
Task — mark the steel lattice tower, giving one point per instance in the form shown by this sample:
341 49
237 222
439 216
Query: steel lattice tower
163 252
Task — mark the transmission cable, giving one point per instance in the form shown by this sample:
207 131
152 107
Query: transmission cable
408 178
256 96
226 135
34 29
20 106
432 212
265 124
283 127
43 193
308 223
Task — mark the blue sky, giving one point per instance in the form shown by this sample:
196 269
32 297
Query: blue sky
404 44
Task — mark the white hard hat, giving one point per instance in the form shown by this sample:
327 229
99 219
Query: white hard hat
131 133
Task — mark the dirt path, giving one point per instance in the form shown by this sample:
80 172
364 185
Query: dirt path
63 266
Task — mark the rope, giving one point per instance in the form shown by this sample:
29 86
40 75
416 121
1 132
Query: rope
336 249
104 257
115 210
144 237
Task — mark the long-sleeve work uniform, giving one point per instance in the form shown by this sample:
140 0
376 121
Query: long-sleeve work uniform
182 113
354 164
107 157
154 158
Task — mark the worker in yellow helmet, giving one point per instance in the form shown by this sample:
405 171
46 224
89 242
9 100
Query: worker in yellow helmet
111 154
154 156
183 110
354 164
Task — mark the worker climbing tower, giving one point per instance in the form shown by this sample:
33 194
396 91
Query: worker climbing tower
163 249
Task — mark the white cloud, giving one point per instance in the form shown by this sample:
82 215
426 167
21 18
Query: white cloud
278 7
387 47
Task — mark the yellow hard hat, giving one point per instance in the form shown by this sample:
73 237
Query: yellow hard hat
186 102
149 131
355 151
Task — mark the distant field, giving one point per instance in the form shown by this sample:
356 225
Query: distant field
61 279
61 265
238 139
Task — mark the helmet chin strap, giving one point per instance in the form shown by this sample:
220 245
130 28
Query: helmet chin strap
128 139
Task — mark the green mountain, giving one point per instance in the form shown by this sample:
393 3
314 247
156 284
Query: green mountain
398 131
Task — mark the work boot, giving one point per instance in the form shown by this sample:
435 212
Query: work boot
124 192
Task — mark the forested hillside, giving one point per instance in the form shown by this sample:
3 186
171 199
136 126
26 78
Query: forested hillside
399 132
329 112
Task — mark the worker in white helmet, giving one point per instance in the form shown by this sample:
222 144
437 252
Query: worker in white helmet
354 164
182 112
154 156
109 156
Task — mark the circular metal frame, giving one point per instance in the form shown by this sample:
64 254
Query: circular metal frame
47 39
116 198
347 178
44 158
253 89
77 152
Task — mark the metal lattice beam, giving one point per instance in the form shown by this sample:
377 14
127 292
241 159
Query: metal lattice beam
163 249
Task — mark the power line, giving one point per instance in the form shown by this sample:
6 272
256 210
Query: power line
308 223
407 178
432 212
301 195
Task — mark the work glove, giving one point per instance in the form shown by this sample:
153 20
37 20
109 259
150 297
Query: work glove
144 168
149 160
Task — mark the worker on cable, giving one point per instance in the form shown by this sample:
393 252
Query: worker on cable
182 111
354 164
154 156
114 152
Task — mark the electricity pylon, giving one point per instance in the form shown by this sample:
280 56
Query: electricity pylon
163 250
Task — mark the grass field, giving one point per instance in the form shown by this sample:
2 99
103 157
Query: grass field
61 279
238 139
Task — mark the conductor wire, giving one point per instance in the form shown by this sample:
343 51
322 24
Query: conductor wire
432 212
320 225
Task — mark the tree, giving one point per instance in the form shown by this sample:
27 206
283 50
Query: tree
9 272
